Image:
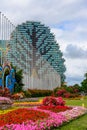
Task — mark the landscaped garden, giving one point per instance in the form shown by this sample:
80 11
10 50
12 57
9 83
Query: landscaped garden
50 113
63 108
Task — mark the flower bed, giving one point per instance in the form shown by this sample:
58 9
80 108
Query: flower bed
38 119
55 108
21 115
27 104
5 103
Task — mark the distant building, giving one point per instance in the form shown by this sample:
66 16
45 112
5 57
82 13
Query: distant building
34 49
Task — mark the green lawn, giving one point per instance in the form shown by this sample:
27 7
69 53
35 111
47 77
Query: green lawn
77 102
78 124
81 122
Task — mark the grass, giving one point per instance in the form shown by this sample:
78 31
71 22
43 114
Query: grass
81 122
7 110
78 102
78 124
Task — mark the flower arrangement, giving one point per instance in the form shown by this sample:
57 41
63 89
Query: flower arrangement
37 120
18 96
5 103
21 115
5 100
27 104
55 108
4 92
52 101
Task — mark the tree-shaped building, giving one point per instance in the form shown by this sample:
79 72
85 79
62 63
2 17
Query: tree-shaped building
34 49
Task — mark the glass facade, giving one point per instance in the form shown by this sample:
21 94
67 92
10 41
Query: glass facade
34 49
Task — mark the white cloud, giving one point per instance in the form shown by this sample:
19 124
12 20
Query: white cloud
73 51
49 11
76 68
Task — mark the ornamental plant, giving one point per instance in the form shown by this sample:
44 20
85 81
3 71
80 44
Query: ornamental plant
4 92
61 92
60 101
21 115
55 109
5 100
52 101
52 121
18 95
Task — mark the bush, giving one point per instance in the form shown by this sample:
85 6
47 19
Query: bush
60 101
68 92
55 108
52 101
4 92
61 92
5 103
67 95
27 93
38 93
5 100
18 95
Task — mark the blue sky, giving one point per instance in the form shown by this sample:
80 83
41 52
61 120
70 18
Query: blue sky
67 19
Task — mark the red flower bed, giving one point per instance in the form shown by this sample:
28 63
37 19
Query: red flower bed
55 108
21 115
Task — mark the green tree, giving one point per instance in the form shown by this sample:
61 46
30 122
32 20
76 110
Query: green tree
85 76
77 86
84 83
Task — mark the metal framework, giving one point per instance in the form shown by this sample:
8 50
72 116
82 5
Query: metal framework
6 27
35 50
32 47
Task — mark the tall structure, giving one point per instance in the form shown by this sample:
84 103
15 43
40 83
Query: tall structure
34 49
6 73
6 27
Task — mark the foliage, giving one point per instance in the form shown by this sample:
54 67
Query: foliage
27 93
55 108
68 92
21 115
19 83
78 124
52 101
37 119
5 92
37 93
19 79
18 95
76 101
61 92
84 83
5 100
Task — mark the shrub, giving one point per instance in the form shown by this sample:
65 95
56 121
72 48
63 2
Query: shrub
4 92
39 92
18 95
67 95
68 92
55 108
71 95
61 92
5 103
60 101
27 93
52 101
